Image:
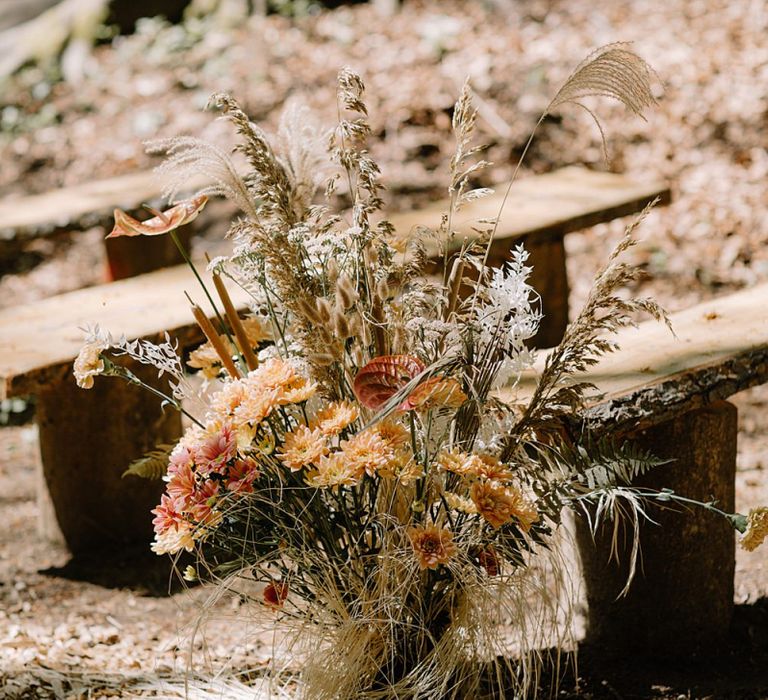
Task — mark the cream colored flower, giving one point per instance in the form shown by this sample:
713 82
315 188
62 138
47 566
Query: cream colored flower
499 504
257 329
394 434
303 447
333 471
432 545
297 392
460 503
757 529
336 416
206 358
89 363
256 405
174 540
436 392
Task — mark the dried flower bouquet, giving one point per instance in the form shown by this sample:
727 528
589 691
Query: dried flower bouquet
351 455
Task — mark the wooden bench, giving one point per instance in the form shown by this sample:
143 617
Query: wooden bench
669 394
88 437
540 211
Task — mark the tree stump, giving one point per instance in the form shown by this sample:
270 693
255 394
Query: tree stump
129 256
87 439
681 599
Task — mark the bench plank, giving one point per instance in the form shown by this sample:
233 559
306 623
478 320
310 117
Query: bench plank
552 204
40 340
720 348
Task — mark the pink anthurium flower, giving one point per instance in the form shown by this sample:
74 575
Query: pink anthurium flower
162 222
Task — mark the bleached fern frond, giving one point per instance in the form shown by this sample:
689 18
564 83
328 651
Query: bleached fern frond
188 159
153 465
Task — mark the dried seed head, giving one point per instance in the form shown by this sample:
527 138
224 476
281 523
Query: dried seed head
357 355
354 325
332 270
340 324
346 295
323 309
382 290
309 310
322 359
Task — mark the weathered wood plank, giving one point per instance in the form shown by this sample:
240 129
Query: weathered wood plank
40 340
546 205
720 348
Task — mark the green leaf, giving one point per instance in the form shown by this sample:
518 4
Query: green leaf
152 465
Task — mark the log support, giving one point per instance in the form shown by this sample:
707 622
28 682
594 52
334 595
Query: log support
681 599
87 439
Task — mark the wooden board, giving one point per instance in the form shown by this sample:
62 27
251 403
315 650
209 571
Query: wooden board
38 341
720 348
552 204
556 203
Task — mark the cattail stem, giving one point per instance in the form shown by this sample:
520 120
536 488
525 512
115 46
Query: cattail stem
234 322
213 338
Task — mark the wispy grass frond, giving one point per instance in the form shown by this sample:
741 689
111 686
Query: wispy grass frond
188 159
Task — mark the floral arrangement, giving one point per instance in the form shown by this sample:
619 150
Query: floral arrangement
350 451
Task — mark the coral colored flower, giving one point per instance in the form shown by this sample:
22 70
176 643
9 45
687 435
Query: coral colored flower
163 222
432 545
275 594
89 363
216 451
383 377
303 446
167 515
435 392
498 505
202 504
333 471
242 474
181 485
336 416
757 529
181 457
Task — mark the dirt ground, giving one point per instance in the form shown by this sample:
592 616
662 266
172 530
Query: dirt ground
100 629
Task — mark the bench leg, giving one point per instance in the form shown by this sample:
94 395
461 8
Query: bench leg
681 599
550 280
87 439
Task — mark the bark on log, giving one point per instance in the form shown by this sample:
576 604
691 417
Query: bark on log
87 439
681 599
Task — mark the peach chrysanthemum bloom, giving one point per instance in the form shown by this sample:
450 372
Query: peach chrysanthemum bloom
757 529
394 434
302 447
486 467
256 405
89 363
452 461
297 391
257 329
201 506
367 452
333 471
206 358
432 545
336 416
402 467
499 504
272 374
